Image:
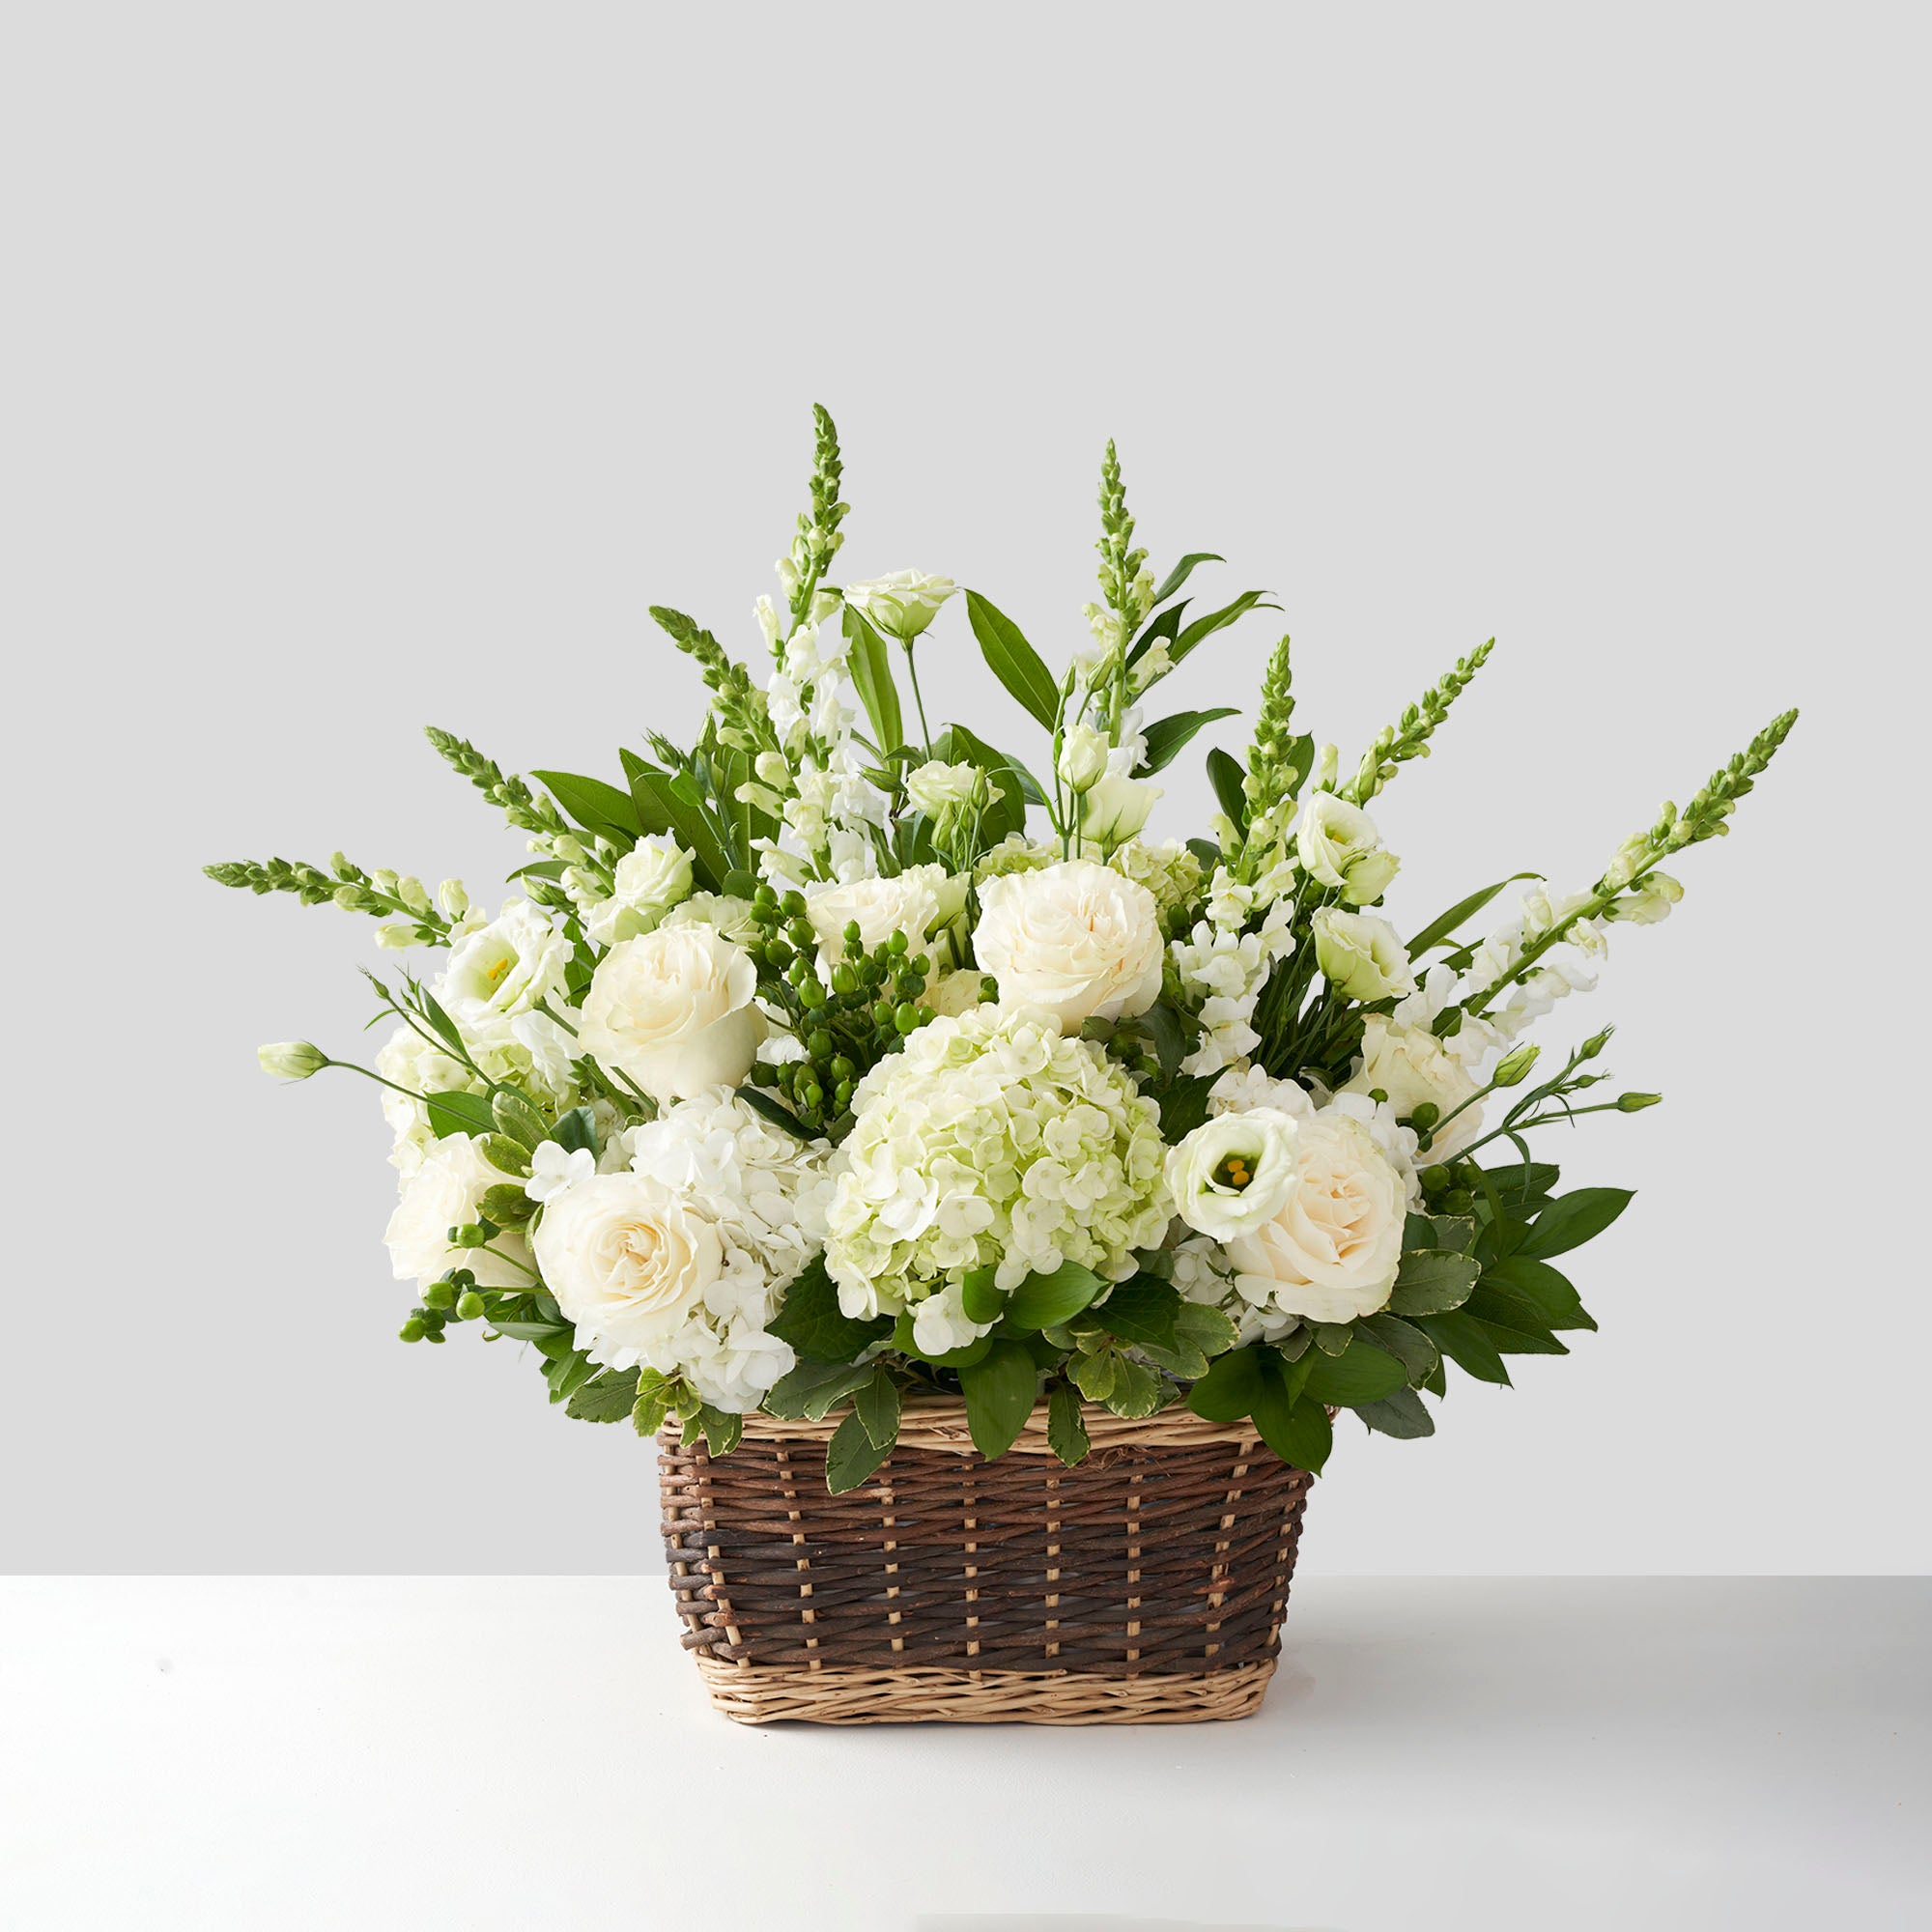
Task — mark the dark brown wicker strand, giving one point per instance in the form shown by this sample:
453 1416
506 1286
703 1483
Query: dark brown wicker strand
1016 1590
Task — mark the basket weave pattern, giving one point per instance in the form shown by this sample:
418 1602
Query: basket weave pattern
1147 1585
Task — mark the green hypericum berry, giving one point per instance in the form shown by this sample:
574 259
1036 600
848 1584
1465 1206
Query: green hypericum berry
412 1330
794 905
843 1094
883 1012
844 981
855 940
765 900
468 1307
801 934
820 1045
906 1018
898 942
1433 1179
811 993
439 1294
842 1068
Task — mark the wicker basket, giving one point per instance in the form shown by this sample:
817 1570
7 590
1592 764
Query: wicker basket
1143 1586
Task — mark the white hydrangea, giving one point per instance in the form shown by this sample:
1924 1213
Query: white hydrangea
1168 870
991 1141
530 1051
1203 1272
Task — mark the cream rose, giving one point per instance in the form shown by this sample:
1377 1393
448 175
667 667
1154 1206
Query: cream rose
1076 939
646 882
1331 1251
445 1192
911 904
628 1260
1339 847
1410 1066
1234 1173
675 1010
1361 955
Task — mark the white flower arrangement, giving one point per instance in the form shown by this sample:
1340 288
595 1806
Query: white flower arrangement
833 1059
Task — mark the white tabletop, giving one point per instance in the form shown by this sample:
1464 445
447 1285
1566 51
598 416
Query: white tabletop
283 1753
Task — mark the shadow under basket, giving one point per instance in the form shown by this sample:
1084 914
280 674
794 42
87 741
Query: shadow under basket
1145 1585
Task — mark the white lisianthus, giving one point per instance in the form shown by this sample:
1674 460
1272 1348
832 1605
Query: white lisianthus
1331 1251
675 1010
1076 939
1114 809
1233 1172
447 1191
1083 757
646 882
627 1259
728 915
1339 847
1361 955
938 786
1410 1067
508 967
990 1141
912 902
901 604
554 1168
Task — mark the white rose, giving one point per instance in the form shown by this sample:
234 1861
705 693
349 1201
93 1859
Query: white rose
627 1259
675 1010
937 786
902 603
1339 846
1331 1251
1083 757
1114 809
1360 955
911 904
1233 1172
445 1192
506 968
1076 939
647 881
1410 1066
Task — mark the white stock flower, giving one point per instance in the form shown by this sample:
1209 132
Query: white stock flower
1331 1252
1114 809
445 1192
1410 1067
937 786
645 884
674 1010
508 967
554 1168
1361 955
911 903
990 1141
1076 939
901 604
1339 847
1233 1172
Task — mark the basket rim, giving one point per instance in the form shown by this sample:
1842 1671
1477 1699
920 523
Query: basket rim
938 1421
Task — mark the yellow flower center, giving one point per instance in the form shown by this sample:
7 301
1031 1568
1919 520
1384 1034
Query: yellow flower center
502 967
1233 1172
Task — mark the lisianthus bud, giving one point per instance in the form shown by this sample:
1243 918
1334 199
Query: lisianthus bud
1635 1103
1083 757
1514 1067
292 1059
1114 809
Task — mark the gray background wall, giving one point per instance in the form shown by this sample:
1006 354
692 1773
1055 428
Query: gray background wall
369 366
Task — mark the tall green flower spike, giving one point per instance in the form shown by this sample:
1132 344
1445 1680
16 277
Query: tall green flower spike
1396 744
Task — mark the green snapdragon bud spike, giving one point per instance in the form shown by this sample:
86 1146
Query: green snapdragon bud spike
1397 744
1269 778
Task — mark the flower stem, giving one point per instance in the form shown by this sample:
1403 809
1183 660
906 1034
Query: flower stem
924 730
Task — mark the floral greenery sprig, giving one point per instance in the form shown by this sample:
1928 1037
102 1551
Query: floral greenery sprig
810 1072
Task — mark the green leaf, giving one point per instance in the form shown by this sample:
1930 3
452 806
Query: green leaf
1418 1232
1456 1233
1514 1323
1045 1300
1183 1107
1547 1291
905 1341
876 1405
1364 1373
1136 1390
1142 1313
658 799
460 1114
1571 1219
507 1205
1295 1427
1183 571
1231 1387
1332 1337
567 1373
1167 737
1216 620
1403 1415
723 1431
818 1330
1166 626
527 1331
981 1297
1226 774
852 1456
1439 930
1433 1281
814 1389
999 1392
1522 1184
776 1112
1094 1374
576 1130
1005 810
1066 1426
1014 662
597 807
1407 1343
1461 1338
870 665
518 1118
1200 1334
432 1012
